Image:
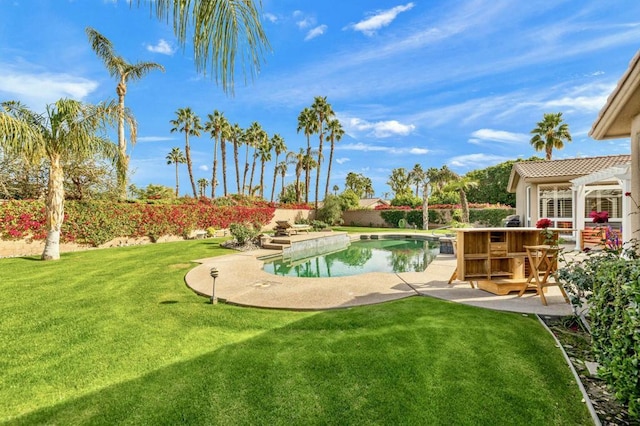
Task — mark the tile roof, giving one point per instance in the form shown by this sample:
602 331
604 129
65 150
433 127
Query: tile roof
565 169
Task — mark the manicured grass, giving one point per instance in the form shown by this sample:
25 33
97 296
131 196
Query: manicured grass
114 336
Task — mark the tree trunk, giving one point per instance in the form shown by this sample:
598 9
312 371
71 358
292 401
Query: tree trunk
326 187
189 167
319 164
465 206
235 158
275 177
223 154
123 168
54 209
246 169
262 179
253 169
425 206
214 182
177 182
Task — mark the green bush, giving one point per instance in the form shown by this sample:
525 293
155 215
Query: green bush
610 284
489 217
331 210
392 217
243 232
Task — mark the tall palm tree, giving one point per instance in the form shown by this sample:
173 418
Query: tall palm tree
297 159
188 123
281 169
224 138
279 147
202 186
67 130
176 157
124 72
235 135
323 112
550 133
417 176
264 153
214 125
335 135
222 32
307 123
255 136
336 188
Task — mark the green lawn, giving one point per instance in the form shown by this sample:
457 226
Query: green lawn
114 336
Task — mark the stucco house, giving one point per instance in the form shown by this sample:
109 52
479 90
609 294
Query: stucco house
620 118
567 191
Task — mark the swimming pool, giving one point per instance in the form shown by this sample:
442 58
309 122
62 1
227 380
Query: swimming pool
359 257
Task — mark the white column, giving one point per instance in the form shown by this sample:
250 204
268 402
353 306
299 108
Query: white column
634 214
578 213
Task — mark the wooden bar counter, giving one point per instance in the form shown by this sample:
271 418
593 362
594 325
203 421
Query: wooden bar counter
495 258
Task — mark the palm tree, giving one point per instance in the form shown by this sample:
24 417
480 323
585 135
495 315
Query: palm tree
550 133
279 147
264 152
67 130
176 157
336 188
417 176
214 125
202 186
281 168
297 159
123 71
323 112
188 123
430 177
335 135
255 135
235 135
462 185
224 138
222 31
307 122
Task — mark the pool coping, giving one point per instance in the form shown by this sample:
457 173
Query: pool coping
241 281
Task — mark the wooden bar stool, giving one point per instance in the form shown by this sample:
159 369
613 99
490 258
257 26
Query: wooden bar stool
543 262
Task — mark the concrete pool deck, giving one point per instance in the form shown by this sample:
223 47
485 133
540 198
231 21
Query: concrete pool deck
242 281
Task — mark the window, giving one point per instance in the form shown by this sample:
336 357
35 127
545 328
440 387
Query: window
604 199
556 202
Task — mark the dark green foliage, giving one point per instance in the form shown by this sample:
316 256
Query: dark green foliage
492 184
610 284
392 217
349 200
414 217
242 232
489 217
331 210
407 199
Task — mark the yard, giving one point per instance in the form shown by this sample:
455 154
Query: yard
114 336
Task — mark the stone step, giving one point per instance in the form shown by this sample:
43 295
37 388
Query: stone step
274 246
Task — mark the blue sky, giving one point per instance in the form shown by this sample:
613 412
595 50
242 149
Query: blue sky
456 82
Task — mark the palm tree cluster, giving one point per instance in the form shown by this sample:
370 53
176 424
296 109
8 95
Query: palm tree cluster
260 149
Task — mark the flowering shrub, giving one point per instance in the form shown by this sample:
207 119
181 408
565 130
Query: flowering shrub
543 223
98 222
599 217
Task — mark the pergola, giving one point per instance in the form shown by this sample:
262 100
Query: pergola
619 174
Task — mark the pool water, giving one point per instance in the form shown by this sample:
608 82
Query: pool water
360 257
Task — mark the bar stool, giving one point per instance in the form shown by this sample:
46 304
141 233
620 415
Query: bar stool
543 262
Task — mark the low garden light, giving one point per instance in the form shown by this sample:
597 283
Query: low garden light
214 274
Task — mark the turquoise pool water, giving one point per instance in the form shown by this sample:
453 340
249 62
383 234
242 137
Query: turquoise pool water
358 258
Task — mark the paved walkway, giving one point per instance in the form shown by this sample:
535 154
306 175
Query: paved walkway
242 281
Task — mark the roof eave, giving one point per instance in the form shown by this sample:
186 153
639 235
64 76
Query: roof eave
628 84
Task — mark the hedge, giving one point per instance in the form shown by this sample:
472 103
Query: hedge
97 222
486 216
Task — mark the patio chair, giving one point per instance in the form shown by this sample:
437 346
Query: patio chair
284 227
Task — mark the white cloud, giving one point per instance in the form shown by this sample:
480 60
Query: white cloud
162 47
204 168
477 161
380 129
154 139
342 160
380 19
38 89
497 136
418 151
359 146
270 17
316 32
